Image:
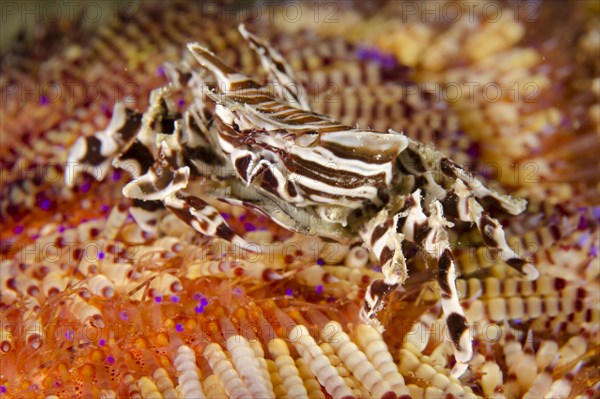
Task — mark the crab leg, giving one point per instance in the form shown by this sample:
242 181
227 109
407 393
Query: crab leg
381 238
228 79
203 217
429 233
146 214
93 154
278 70
460 201
162 182
460 204
419 159
507 203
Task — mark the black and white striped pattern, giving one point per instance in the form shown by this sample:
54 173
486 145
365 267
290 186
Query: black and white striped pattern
279 72
296 155
245 143
203 217
93 155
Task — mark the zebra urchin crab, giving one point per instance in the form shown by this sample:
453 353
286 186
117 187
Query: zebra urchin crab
261 147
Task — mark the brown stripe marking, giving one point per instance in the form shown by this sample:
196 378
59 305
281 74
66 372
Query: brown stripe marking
457 324
379 231
444 264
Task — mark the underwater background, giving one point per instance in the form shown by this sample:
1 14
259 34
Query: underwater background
92 306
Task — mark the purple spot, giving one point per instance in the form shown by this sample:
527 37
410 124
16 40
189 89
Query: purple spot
237 292
376 54
204 301
106 109
199 308
69 335
116 175
320 262
596 213
18 229
319 289
158 299
583 239
2 389
84 220
102 342
179 327
180 102
174 298
289 292
363 53
197 296
124 315
225 215
582 223
105 208
45 204
486 173
242 218
263 228
85 187
331 299
160 71
61 229
594 251
110 359
249 227
474 150
376 269
100 255
388 61
35 236
44 100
